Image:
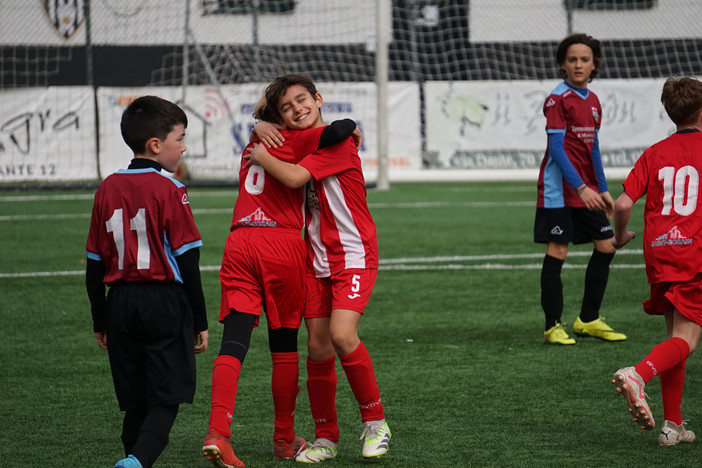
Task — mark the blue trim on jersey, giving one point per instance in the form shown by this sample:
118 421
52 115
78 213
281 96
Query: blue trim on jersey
557 154
597 163
563 87
187 247
553 185
93 256
171 259
150 169
172 254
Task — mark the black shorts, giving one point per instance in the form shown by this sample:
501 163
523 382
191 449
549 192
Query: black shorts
571 225
150 344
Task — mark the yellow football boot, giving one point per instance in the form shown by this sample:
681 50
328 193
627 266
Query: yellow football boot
557 335
597 329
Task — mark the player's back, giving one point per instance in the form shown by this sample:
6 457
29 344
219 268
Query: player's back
669 175
141 221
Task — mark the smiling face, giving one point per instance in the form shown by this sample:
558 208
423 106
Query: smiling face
299 109
578 65
169 150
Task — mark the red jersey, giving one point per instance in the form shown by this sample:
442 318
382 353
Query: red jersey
141 221
668 174
263 201
341 233
579 118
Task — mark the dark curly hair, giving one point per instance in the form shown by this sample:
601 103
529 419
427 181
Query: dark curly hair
579 38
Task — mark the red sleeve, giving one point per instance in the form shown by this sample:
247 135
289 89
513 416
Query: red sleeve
304 142
180 225
555 114
636 182
330 161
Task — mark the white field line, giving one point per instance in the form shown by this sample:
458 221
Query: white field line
414 264
208 211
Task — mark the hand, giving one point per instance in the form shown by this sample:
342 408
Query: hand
609 204
268 133
204 337
101 338
620 241
253 155
592 199
357 137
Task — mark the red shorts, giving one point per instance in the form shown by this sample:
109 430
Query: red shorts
351 290
264 268
685 296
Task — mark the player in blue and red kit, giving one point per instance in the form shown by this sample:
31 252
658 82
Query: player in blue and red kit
144 245
574 204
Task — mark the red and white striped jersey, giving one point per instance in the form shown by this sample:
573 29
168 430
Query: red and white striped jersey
341 232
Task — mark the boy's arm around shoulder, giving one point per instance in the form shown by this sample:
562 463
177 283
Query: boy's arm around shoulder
291 175
188 263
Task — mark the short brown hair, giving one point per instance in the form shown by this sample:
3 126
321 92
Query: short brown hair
262 111
682 99
280 85
579 38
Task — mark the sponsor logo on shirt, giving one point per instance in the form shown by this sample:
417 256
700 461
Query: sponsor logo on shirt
185 200
550 102
256 219
672 237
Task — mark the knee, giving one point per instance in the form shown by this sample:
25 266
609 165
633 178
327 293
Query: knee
344 341
320 347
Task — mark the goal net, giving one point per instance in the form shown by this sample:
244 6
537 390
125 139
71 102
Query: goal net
465 81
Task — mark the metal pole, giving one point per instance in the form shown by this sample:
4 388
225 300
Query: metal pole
254 40
90 81
186 53
381 80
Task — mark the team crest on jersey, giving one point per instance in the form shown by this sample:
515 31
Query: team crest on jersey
595 114
66 16
672 237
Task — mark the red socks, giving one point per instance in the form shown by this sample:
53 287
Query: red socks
668 360
321 387
672 383
662 357
284 385
225 380
359 371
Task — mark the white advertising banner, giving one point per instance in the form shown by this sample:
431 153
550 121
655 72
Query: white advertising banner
473 129
47 134
500 125
217 132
